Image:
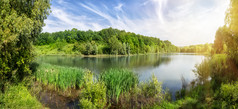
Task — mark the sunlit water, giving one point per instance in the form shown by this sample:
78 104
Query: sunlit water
168 68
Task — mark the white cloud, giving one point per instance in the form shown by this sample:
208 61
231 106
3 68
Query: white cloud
119 7
64 21
183 22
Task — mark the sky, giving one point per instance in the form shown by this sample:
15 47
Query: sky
183 22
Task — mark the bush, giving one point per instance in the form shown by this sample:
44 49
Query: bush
18 97
228 96
152 88
93 94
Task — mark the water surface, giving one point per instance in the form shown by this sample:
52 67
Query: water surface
168 68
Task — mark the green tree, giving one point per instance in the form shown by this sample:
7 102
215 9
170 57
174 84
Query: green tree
95 49
219 40
20 22
114 44
232 24
89 48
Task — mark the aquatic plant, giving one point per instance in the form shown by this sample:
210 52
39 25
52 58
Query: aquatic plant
60 77
118 81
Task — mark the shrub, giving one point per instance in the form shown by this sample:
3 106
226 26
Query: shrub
152 88
229 95
93 94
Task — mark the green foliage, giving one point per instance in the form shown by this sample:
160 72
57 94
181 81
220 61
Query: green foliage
202 48
203 70
118 81
18 97
230 31
213 88
228 96
113 41
186 103
114 45
152 88
88 49
61 77
93 95
21 21
219 42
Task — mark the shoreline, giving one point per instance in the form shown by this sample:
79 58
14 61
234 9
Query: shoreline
99 55
111 55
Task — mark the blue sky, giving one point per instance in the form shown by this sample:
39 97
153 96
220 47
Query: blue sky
183 22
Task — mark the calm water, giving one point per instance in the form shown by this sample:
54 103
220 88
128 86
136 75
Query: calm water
168 68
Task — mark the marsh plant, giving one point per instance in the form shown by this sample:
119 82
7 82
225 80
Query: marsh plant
61 77
118 81
114 88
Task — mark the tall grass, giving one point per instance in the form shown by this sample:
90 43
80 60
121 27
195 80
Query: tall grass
61 77
18 97
118 81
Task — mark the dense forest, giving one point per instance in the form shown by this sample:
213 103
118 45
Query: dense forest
106 41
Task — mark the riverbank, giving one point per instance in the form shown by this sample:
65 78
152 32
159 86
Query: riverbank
67 50
41 51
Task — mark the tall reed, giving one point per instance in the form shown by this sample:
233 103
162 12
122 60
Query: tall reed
118 81
60 77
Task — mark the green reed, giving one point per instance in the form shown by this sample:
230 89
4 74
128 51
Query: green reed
118 81
60 77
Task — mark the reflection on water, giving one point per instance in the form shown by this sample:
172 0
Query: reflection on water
168 68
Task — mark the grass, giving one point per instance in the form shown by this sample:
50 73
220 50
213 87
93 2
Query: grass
118 81
18 97
61 77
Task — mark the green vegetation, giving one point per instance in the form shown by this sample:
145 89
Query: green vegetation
18 27
124 90
106 41
18 97
202 48
93 94
22 21
118 81
228 95
216 85
61 77
152 88
114 88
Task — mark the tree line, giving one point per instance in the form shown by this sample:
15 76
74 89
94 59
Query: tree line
106 41
201 48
